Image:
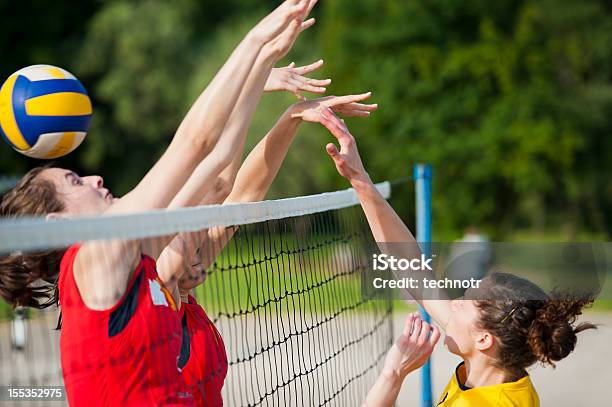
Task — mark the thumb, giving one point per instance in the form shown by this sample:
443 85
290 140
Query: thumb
332 150
291 65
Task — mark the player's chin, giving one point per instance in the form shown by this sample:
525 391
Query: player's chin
451 345
198 272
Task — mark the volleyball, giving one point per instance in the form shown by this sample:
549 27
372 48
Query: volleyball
44 111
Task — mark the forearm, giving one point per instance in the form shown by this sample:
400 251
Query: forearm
206 119
394 237
252 183
263 163
385 223
196 135
231 144
205 179
384 392
224 184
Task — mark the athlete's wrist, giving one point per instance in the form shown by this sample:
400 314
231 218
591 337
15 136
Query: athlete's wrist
361 182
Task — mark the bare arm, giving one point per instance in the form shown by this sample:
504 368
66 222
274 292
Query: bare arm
291 79
408 353
102 269
385 224
253 181
178 253
219 167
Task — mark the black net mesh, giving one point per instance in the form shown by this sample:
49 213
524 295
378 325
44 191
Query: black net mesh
285 296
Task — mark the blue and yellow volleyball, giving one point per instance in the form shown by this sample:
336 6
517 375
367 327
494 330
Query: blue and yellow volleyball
44 111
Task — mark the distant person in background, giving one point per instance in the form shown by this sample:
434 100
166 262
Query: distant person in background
19 329
470 258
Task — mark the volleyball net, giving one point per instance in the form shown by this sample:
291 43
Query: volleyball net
281 283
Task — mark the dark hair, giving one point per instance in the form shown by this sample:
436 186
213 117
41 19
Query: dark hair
26 279
541 328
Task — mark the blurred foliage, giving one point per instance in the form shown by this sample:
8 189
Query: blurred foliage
510 101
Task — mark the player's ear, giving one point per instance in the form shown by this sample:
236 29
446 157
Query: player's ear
483 341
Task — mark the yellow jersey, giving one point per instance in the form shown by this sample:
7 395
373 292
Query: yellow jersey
520 393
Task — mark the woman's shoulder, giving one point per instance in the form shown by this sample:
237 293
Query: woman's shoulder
519 393
67 263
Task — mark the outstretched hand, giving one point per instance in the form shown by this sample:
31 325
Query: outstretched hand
278 20
291 78
412 348
347 159
280 29
311 110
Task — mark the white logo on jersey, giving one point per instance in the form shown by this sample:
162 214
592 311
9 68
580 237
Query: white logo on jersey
157 295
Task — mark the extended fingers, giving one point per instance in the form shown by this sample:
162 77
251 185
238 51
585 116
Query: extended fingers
343 100
336 126
424 336
353 109
362 106
416 332
307 24
315 82
311 5
295 8
288 37
351 112
409 325
302 85
302 11
435 335
306 69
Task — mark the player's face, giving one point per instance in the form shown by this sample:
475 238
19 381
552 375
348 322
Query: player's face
197 269
195 274
461 330
81 195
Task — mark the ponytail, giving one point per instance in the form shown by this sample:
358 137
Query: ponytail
552 334
28 279
527 331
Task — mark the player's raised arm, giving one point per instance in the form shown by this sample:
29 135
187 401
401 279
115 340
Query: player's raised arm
102 282
253 181
385 224
201 128
222 162
234 136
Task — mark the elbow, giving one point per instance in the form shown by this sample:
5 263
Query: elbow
201 144
222 189
201 138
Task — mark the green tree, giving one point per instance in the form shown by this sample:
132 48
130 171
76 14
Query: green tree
509 102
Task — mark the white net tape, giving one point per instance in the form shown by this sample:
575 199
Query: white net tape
38 233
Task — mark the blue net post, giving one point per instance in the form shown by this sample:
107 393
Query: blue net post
422 180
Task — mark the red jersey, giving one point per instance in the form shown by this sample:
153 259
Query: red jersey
126 355
203 359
